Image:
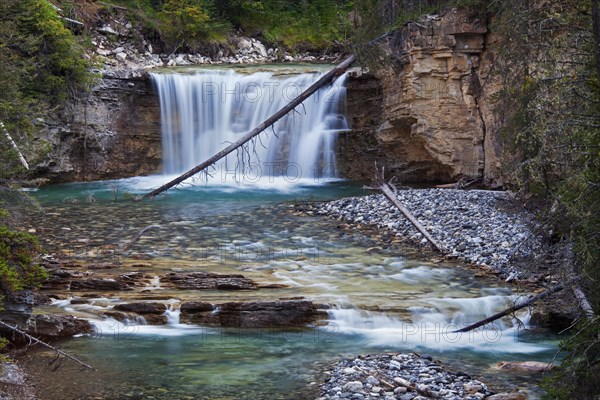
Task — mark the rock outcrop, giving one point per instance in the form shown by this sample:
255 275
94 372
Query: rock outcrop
428 115
114 132
57 326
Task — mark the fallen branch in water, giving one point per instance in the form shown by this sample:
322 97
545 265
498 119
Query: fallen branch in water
515 307
35 340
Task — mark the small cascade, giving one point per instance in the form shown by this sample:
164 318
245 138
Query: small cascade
202 113
173 314
154 283
135 321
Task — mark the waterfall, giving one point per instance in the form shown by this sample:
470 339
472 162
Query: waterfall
202 113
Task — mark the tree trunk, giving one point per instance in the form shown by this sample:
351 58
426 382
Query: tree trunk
328 77
596 29
14 145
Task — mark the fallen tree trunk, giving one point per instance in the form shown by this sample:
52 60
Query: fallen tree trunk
328 77
517 306
391 195
584 304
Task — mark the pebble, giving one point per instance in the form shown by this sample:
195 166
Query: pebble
471 226
377 368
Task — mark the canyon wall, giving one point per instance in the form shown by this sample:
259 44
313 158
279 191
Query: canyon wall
427 116
114 132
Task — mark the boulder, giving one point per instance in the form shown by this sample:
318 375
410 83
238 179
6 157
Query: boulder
260 49
107 30
244 44
526 366
57 326
13 383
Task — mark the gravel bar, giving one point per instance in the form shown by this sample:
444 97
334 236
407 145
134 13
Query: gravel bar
393 376
472 225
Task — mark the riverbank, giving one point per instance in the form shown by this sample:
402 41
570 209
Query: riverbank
483 228
393 376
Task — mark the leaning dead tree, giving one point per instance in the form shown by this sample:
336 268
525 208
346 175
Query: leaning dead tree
325 79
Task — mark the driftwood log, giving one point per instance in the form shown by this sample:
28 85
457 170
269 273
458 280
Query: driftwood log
391 195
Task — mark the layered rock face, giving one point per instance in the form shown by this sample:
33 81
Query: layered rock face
112 133
425 116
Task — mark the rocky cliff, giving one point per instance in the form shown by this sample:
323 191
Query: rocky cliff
428 115
112 133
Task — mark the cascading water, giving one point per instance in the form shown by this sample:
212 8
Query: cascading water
202 113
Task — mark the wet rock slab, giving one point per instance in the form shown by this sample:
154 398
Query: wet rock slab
207 281
260 314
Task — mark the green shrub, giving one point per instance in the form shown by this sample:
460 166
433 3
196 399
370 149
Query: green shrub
18 269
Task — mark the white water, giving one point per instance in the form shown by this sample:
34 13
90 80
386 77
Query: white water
434 327
202 113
